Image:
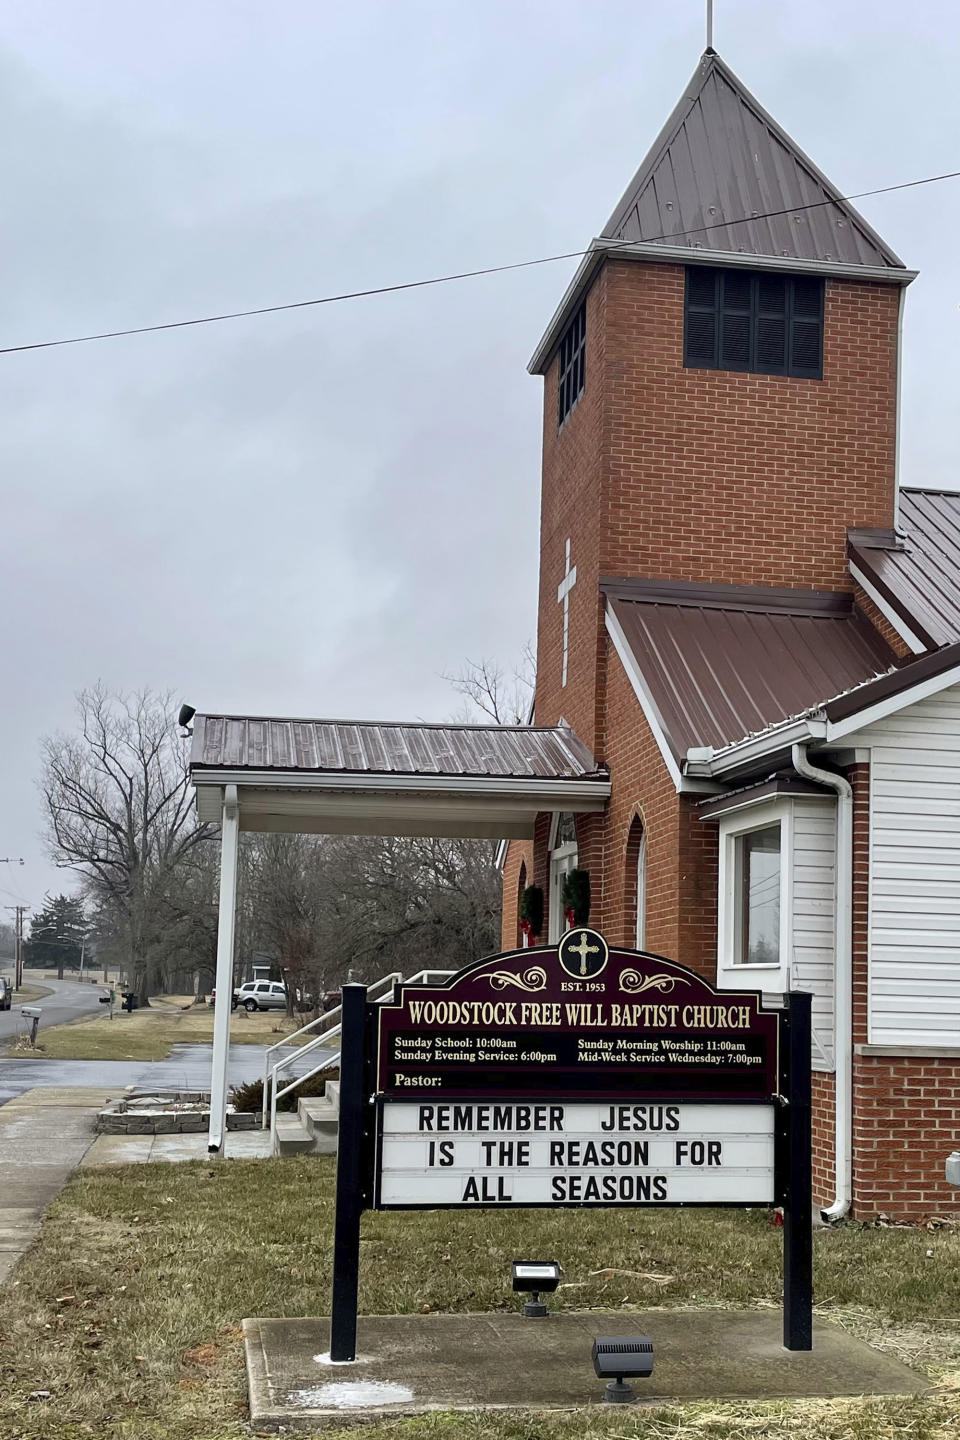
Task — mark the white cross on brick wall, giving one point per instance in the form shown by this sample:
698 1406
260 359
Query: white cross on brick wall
563 597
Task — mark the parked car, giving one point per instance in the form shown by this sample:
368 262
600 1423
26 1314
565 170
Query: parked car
6 993
212 1000
262 995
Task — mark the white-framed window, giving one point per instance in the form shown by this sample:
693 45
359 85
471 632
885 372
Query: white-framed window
563 858
755 900
642 890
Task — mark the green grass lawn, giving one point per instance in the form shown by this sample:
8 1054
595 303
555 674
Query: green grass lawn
151 1034
128 1307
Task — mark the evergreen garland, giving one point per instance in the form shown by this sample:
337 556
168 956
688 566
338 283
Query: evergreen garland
576 896
531 909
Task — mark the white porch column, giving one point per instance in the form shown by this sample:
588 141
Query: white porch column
216 1142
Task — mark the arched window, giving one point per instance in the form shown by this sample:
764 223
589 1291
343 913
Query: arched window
563 858
642 890
636 883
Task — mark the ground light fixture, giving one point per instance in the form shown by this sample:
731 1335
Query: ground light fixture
533 1278
620 1356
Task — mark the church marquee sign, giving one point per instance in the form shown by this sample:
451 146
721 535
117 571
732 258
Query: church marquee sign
577 1018
575 1075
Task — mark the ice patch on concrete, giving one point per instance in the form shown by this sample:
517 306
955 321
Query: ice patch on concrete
350 1395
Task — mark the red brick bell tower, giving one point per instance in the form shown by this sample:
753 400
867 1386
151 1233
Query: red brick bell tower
720 403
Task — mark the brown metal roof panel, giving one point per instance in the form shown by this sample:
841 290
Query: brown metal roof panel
235 742
717 675
418 746
920 578
280 744
374 750
259 743
207 744
306 742
492 753
503 754
460 753
914 672
722 158
553 751
353 743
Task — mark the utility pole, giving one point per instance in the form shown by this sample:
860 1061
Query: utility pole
19 911
18 962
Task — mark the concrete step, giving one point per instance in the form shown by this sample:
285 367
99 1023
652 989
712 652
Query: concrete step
333 1094
292 1137
321 1120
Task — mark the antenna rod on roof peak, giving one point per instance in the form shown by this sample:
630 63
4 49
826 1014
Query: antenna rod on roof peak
709 24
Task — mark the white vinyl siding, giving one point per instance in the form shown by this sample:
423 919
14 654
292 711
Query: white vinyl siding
914 928
814 900
807 906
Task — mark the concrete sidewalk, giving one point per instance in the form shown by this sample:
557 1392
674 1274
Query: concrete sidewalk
140 1149
44 1135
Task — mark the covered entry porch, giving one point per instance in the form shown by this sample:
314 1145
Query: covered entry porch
364 778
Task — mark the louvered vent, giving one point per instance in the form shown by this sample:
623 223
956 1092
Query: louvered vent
765 323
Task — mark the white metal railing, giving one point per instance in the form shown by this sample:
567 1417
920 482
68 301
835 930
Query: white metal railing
271 1074
328 1034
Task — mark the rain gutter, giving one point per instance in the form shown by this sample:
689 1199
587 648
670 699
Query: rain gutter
842 982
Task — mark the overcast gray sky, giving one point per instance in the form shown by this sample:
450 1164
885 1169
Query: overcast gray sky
317 513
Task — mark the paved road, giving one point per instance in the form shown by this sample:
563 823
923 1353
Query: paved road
67 1001
186 1068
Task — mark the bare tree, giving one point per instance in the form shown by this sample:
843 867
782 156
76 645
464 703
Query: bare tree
119 811
491 692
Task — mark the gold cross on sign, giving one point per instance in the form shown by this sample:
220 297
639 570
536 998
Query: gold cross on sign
583 950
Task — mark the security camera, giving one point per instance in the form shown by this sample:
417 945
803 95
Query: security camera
187 713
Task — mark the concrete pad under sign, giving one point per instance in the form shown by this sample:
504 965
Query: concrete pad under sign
412 1364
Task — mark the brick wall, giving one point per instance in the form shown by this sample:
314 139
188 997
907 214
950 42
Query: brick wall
718 476
906 1122
824 1172
517 873
661 471
641 787
571 503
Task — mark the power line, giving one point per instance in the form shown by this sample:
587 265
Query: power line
461 274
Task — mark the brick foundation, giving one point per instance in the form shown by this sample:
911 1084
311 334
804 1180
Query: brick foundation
906 1122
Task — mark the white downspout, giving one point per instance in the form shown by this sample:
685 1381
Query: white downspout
842 982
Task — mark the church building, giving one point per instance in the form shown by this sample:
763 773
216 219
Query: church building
755 631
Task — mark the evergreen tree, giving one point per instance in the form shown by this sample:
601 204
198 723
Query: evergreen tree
57 933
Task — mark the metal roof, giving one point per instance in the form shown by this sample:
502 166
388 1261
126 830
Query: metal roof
718 168
723 662
243 742
918 572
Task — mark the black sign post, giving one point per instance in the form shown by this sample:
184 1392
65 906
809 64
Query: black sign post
575 1074
798 1199
350 1144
